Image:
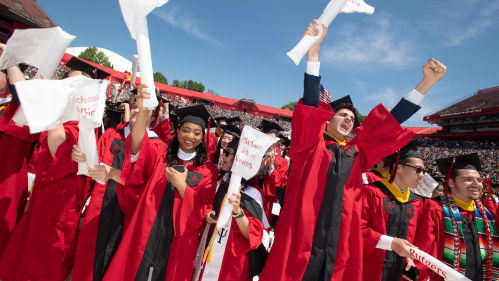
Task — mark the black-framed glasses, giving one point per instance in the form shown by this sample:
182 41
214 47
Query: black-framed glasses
419 170
227 153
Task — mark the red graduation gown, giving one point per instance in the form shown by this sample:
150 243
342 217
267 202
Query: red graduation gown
104 220
430 237
379 135
149 226
43 244
372 176
15 148
382 214
212 148
279 178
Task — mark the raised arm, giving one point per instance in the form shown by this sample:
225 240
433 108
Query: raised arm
140 126
312 79
433 71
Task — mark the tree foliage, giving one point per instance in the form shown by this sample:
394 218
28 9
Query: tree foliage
248 100
290 105
361 117
211 91
160 78
189 85
94 55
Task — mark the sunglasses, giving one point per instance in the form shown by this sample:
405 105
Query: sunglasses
227 153
419 170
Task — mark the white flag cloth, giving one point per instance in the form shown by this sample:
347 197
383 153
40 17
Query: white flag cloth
332 10
135 14
135 10
49 103
39 47
252 146
426 186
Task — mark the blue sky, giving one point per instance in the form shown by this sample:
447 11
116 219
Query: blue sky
238 48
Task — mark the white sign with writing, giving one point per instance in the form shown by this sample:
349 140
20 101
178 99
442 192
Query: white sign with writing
39 47
426 186
437 266
252 146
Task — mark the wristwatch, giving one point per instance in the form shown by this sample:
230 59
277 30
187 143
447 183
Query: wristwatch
237 216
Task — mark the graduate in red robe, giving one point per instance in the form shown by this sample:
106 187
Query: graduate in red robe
319 235
161 240
112 204
273 174
474 251
229 132
390 216
43 244
234 252
15 149
378 173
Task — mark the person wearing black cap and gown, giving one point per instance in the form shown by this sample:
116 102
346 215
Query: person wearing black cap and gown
474 251
390 211
112 204
161 240
229 133
236 121
236 251
319 235
272 176
55 208
221 121
16 144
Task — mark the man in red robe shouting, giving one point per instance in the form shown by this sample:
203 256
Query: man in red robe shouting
319 235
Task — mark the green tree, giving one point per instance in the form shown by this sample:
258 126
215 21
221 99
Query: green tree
290 105
190 85
211 91
176 83
184 84
94 55
361 117
198 87
160 78
248 100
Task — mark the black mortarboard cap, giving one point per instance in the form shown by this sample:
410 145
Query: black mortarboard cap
233 121
286 142
77 64
232 130
114 115
234 143
173 118
467 162
220 119
195 114
345 99
409 150
271 128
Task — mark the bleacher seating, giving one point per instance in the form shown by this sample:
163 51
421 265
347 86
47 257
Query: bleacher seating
483 99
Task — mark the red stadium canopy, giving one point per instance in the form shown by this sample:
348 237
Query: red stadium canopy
233 104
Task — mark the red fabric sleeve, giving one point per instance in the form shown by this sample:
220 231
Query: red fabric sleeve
380 135
241 245
138 173
9 127
430 236
370 236
196 204
309 124
163 130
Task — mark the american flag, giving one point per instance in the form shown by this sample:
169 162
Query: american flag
325 96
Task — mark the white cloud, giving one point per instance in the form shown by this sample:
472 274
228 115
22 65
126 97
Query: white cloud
387 96
487 17
383 42
189 24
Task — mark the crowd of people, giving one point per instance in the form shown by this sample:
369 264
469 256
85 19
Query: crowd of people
487 150
160 201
